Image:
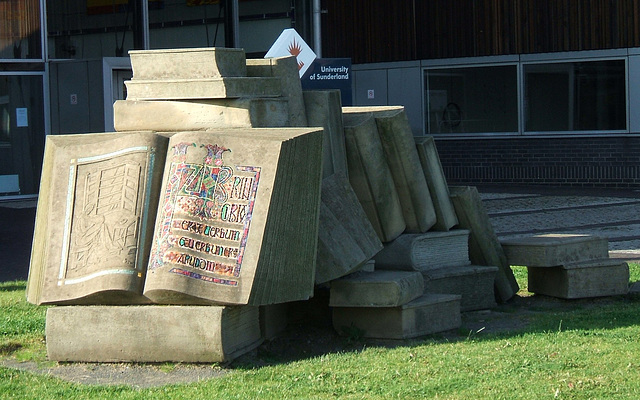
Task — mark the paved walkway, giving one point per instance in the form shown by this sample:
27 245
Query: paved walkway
514 211
608 213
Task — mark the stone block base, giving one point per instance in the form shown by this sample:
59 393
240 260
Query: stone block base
474 283
430 313
273 320
554 249
376 289
607 277
192 334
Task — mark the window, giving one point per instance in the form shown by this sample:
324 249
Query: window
20 34
575 96
21 133
472 99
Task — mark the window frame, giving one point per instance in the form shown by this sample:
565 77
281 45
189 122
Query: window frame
521 61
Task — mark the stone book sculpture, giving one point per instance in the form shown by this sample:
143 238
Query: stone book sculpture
236 222
97 203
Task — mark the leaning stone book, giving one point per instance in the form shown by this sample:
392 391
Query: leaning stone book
237 220
96 208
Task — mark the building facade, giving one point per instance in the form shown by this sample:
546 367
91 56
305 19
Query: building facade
514 91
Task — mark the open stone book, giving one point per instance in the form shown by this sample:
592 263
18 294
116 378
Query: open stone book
224 217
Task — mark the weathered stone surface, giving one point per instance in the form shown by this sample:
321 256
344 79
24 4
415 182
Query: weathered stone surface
98 198
346 238
474 283
595 278
370 176
273 320
151 333
446 217
130 115
551 250
430 313
210 88
324 108
484 246
249 236
425 251
286 70
192 63
376 289
368 266
400 151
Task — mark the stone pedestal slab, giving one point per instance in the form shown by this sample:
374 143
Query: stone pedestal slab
596 278
430 313
210 88
474 283
192 63
151 333
130 115
376 289
554 249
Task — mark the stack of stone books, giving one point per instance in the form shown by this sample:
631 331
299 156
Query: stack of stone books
225 216
226 196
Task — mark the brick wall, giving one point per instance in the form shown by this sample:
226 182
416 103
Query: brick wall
611 162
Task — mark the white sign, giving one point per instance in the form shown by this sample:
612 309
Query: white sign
371 94
22 118
289 43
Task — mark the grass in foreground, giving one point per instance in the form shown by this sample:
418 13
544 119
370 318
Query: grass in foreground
587 352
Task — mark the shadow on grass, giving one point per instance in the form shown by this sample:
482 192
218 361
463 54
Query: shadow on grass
13 286
520 316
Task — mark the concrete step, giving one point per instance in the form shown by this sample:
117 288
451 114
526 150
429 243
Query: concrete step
595 278
474 283
551 250
430 313
151 333
376 289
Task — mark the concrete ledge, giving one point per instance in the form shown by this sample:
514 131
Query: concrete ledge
552 250
597 278
376 289
214 88
474 283
151 333
209 62
430 313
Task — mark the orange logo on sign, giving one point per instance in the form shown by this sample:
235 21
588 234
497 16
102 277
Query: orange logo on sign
295 49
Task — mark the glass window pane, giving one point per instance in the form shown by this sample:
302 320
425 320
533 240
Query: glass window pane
20 30
21 133
575 96
472 100
81 29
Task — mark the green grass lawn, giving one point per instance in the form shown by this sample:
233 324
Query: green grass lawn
578 353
